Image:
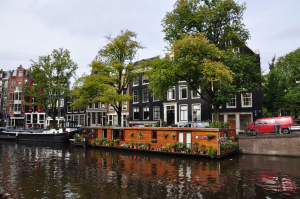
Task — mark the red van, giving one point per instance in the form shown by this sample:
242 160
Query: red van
266 125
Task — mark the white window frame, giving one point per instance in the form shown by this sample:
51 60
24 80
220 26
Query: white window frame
135 110
143 93
145 78
180 92
242 98
124 107
173 88
155 112
187 113
20 74
69 108
136 82
146 109
90 106
111 108
198 119
95 105
193 91
80 119
137 96
229 105
155 99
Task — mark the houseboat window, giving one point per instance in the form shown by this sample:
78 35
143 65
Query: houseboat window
104 133
115 135
225 134
122 135
154 134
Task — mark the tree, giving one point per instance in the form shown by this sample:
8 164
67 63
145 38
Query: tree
111 75
221 21
51 76
273 91
289 77
198 63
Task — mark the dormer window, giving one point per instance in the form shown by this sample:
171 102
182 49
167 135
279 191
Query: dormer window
20 73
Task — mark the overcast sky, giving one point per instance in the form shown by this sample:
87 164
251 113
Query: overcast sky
31 28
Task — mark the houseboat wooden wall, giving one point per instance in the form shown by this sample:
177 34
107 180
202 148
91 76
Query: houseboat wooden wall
198 135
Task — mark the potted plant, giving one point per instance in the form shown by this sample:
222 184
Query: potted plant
212 151
165 135
173 135
130 134
135 145
202 149
173 147
111 143
139 144
153 140
210 136
116 141
125 145
189 150
140 135
131 144
147 146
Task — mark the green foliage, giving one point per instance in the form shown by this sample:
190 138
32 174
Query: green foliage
153 141
140 135
165 135
198 61
212 151
163 123
221 20
281 94
173 135
210 136
202 148
52 74
111 75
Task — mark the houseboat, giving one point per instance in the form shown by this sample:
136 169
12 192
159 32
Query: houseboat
206 142
62 134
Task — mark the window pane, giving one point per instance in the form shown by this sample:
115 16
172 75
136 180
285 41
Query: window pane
183 113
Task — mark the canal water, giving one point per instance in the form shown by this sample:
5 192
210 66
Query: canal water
43 170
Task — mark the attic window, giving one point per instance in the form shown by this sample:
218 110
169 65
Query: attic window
20 73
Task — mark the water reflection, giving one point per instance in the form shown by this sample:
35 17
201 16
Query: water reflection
31 170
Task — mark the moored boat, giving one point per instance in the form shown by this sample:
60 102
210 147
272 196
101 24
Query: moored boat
51 135
205 142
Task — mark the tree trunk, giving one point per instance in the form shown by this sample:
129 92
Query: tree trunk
119 113
216 114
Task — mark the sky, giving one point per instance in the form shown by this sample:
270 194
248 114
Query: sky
33 28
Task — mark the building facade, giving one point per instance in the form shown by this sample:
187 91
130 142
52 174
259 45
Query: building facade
4 80
182 105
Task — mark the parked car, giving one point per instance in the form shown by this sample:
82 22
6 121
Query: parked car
195 125
9 127
268 125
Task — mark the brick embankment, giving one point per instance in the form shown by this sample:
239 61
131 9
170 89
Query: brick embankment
281 145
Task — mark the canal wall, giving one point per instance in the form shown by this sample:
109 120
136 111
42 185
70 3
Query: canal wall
281 145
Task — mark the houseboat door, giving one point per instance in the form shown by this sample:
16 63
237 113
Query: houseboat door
170 115
188 140
180 138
